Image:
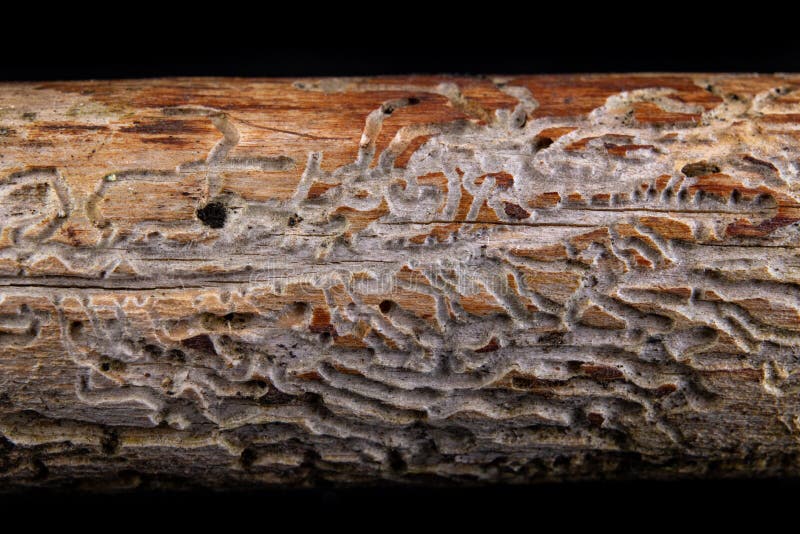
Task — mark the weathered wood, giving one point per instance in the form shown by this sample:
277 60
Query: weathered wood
225 282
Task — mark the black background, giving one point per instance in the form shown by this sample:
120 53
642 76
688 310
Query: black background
109 41
290 38
86 59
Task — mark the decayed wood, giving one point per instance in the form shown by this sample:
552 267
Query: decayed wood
224 282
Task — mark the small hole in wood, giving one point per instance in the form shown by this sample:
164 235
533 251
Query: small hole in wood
386 306
213 214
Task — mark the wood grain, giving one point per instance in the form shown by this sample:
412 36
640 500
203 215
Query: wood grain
245 282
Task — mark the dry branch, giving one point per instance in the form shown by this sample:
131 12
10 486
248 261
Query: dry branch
223 282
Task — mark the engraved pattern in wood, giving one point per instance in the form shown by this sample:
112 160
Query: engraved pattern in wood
225 282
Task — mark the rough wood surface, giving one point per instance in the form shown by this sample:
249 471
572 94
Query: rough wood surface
222 282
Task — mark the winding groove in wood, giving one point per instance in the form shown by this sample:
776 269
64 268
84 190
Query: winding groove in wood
222 282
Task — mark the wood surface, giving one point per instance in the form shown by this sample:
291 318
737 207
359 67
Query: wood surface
245 282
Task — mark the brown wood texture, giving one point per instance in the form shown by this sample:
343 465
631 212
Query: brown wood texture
235 282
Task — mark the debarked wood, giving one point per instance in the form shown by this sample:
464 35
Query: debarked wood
234 282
